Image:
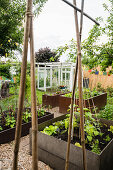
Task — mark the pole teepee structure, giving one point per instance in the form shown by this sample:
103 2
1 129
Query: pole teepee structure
28 34
78 70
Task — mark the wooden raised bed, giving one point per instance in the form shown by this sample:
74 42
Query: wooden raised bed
99 101
51 100
9 134
52 151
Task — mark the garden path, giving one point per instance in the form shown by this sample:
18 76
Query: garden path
25 159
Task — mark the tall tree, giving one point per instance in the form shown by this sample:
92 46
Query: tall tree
12 13
95 51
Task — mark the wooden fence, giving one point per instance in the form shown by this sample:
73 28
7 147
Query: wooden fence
104 80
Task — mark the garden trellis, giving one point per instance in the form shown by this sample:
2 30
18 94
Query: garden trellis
28 34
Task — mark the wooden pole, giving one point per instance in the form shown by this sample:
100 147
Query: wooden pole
73 94
81 19
22 89
80 90
71 117
73 6
33 101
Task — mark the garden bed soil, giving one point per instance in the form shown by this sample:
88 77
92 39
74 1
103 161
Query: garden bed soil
52 151
51 100
9 134
97 101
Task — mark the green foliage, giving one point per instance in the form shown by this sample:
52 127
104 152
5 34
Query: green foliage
51 130
87 93
11 101
5 70
60 124
37 6
100 88
78 144
11 30
107 139
39 96
1 128
107 112
12 14
41 112
100 53
26 116
10 120
95 147
70 50
111 129
110 91
94 52
46 55
92 130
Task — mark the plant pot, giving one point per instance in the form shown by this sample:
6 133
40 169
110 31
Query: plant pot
9 134
98 101
52 151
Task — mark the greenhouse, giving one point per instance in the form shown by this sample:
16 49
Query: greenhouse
55 74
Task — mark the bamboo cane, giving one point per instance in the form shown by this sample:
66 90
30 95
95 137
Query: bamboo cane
22 89
73 94
33 101
81 19
80 91
71 117
73 6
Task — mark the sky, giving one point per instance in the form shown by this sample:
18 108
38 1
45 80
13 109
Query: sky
55 26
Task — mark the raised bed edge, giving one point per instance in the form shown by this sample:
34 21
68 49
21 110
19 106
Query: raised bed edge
9 134
101 160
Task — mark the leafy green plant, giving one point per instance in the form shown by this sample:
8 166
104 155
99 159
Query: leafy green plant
60 124
41 112
78 144
10 120
87 93
51 130
100 88
5 70
95 147
107 139
111 129
110 91
107 112
1 128
26 116
92 128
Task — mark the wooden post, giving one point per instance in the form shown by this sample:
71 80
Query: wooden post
80 90
33 100
22 88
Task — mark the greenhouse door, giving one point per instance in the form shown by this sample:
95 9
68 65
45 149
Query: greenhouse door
44 78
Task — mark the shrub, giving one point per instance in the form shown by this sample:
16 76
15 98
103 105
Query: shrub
5 70
46 55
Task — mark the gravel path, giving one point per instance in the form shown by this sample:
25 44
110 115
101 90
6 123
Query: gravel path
25 159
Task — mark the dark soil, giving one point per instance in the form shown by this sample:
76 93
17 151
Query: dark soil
9 112
76 137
